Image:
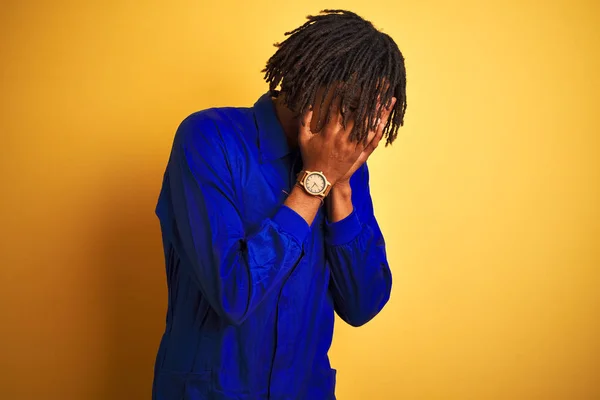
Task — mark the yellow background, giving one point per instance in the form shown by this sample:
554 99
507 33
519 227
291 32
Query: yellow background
489 200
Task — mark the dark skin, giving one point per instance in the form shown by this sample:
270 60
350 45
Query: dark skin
328 150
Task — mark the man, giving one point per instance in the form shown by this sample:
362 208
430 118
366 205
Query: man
268 224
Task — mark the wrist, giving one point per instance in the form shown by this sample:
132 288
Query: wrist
300 193
339 203
342 188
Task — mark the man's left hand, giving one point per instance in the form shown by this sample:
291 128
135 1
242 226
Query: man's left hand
373 139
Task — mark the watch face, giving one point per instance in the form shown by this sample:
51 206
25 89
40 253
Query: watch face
314 183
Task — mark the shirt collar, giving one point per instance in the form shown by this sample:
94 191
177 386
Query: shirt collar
272 142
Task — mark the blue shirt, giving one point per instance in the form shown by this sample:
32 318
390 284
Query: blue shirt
252 288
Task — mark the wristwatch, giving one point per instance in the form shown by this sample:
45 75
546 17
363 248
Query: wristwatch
314 183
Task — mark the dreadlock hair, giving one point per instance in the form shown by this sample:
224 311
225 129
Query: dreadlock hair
340 49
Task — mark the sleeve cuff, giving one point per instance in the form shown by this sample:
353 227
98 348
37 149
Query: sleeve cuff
292 223
343 231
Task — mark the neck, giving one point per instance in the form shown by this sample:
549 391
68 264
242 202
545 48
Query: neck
288 121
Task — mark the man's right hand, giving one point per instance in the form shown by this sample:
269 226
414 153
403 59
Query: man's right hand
330 150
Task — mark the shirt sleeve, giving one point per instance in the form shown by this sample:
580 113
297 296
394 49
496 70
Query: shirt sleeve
234 269
361 279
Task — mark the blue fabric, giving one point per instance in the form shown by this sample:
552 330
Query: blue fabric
252 288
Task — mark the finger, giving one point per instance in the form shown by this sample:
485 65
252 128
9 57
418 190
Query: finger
380 123
391 107
388 110
374 136
334 130
372 132
334 126
385 112
305 122
370 148
378 134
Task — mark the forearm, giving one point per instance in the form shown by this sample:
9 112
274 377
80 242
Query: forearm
361 280
355 251
303 203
